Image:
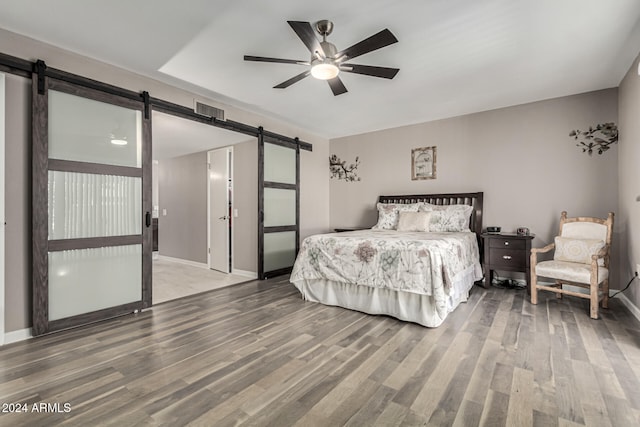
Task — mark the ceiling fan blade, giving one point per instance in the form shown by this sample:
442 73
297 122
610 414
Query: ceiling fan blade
336 85
308 36
293 80
369 70
376 41
278 60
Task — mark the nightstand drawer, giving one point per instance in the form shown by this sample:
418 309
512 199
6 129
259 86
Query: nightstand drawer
508 243
507 258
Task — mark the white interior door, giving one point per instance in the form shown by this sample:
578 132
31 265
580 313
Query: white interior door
219 209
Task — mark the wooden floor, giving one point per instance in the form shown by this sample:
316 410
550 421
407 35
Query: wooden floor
256 354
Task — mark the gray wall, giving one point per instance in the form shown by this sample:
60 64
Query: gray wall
521 158
182 192
17 203
628 214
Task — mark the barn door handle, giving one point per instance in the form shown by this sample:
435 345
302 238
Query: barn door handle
147 219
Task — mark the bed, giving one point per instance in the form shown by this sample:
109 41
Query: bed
416 266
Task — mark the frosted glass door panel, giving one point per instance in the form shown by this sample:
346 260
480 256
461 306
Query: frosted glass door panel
279 164
279 250
86 280
89 205
279 207
82 129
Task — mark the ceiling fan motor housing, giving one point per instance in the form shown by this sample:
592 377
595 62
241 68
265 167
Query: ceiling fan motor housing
329 49
324 27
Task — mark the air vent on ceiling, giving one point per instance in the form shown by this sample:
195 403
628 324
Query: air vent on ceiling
208 110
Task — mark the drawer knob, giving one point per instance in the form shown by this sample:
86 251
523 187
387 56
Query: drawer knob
506 257
506 243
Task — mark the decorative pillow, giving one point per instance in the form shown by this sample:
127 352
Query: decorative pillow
577 250
448 217
388 214
413 221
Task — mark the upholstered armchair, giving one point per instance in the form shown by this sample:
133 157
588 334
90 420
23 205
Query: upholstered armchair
581 258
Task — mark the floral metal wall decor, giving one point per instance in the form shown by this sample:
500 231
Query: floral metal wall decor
596 139
340 170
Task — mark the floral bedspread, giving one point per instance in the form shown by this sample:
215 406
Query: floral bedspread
418 262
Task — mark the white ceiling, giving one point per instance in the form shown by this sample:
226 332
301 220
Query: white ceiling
174 136
455 56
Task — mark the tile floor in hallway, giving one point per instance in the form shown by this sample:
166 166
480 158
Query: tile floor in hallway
172 280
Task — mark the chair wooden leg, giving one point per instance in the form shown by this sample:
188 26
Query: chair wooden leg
534 287
594 298
605 294
559 286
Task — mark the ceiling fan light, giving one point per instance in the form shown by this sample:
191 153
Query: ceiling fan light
324 71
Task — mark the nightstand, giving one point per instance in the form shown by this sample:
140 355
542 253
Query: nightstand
507 252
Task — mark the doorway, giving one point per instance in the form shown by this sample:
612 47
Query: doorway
199 246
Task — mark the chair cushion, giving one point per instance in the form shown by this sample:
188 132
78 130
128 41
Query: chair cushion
571 271
577 250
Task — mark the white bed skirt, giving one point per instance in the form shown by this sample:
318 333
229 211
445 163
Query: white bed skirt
401 305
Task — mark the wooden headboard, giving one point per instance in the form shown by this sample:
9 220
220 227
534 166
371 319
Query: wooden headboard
471 199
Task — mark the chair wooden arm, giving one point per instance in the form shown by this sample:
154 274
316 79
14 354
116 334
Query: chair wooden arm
602 253
543 250
534 255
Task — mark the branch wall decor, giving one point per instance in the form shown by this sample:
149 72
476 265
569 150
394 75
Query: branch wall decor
596 139
340 170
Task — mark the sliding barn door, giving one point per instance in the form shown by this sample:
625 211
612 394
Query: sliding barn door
278 206
91 204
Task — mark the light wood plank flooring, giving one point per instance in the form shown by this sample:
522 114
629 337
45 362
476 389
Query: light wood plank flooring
256 354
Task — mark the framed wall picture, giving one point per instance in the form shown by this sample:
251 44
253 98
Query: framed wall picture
423 163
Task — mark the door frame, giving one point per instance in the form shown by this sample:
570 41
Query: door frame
230 239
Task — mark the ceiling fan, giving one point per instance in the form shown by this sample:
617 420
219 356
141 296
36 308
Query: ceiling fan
326 61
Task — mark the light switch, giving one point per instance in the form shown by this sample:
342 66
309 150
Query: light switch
235 213
164 212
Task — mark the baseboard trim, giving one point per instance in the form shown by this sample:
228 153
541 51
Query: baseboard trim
16 336
635 311
245 273
183 261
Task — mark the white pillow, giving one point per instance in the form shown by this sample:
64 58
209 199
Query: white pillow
448 217
577 250
413 221
388 214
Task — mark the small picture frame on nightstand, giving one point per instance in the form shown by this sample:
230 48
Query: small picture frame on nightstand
522 231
